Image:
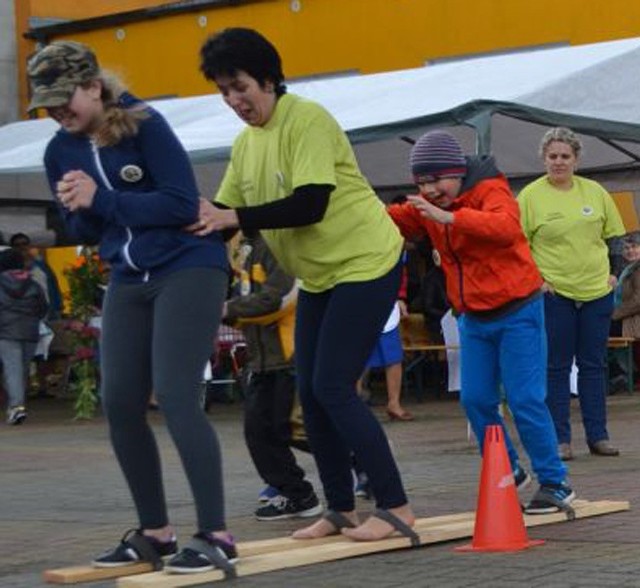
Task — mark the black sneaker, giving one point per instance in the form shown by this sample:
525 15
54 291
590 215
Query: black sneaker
521 478
550 498
134 547
204 553
282 507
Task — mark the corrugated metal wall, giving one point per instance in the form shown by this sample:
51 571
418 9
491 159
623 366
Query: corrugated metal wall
160 56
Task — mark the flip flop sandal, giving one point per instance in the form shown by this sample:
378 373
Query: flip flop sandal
338 520
398 524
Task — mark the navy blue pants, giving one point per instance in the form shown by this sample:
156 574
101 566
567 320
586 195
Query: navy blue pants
336 331
580 330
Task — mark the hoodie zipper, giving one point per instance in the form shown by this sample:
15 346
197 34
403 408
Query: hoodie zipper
107 183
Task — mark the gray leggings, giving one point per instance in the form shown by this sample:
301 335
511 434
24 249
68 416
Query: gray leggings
157 336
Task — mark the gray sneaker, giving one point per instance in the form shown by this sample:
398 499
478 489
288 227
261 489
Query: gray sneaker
551 498
16 415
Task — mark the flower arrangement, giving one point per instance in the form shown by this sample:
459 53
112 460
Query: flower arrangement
85 277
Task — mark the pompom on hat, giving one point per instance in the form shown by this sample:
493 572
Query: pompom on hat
437 154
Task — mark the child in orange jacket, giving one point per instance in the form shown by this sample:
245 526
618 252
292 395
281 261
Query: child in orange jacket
472 218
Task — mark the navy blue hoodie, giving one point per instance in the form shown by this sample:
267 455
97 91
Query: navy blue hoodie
146 194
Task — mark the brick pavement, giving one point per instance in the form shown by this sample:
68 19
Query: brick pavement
63 500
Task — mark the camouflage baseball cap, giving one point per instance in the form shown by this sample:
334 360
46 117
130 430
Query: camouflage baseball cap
57 70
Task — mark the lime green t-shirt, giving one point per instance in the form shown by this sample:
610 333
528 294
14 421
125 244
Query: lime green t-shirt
566 231
303 144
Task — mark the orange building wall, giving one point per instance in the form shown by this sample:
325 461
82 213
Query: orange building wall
75 9
160 56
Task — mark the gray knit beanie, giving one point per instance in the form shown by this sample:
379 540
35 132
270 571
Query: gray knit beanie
437 154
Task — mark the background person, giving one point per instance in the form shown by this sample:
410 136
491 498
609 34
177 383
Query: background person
389 355
122 179
468 210
567 220
264 309
627 294
294 177
42 273
22 307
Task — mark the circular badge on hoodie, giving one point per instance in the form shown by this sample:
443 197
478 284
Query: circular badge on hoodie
587 211
131 173
437 261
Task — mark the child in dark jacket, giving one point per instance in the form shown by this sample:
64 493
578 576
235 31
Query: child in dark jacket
265 311
22 306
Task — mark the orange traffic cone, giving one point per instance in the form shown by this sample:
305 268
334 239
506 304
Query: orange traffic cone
499 525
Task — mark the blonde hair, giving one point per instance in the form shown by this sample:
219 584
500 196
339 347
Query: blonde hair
118 122
561 135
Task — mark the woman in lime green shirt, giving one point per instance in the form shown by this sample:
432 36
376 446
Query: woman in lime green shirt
293 176
567 219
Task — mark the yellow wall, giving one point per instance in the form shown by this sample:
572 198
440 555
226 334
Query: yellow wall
59 258
625 201
160 56
75 9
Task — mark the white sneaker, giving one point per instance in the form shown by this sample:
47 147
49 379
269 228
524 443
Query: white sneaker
16 415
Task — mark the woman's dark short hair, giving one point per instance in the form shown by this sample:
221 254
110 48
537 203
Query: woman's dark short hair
237 49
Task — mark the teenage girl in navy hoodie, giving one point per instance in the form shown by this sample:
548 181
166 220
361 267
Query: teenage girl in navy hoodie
123 180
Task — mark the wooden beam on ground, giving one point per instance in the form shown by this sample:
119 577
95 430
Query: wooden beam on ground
79 574
447 528
249 548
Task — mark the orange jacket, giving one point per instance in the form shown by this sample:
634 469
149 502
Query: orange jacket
484 253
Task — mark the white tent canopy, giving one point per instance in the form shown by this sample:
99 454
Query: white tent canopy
591 88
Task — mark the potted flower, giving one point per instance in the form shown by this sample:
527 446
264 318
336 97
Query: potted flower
86 278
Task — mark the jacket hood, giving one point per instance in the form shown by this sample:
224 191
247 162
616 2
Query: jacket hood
479 168
15 282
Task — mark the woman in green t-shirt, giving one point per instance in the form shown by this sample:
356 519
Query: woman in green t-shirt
293 176
567 219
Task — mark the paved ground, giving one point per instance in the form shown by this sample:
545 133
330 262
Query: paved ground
63 500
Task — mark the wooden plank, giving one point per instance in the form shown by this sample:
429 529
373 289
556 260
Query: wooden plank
417 347
618 342
78 574
249 548
446 529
